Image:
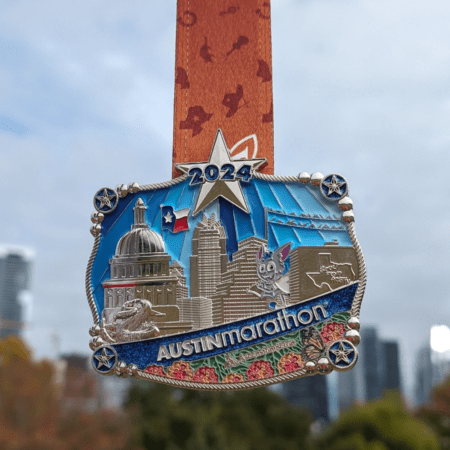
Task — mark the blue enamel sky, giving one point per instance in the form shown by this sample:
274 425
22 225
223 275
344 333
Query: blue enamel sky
290 200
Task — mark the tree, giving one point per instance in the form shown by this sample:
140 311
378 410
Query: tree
102 430
27 397
380 425
32 419
437 413
165 418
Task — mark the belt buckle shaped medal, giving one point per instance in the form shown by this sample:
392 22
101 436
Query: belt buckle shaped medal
226 276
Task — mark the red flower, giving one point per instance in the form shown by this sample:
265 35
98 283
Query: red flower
332 332
180 371
205 375
233 378
155 370
290 362
259 369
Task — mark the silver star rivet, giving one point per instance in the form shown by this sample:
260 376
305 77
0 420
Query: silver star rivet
105 199
103 359
168 217
342 353
334 185
228 189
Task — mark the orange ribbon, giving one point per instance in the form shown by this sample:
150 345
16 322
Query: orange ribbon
223 79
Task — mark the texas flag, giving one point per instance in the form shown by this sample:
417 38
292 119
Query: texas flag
174 221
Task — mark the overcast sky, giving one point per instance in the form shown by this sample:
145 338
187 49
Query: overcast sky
361 88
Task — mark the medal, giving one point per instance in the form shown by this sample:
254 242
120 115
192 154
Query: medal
226 276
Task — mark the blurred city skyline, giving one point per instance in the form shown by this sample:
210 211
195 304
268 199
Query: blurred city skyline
360 88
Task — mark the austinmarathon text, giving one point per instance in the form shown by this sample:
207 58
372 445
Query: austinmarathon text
227 337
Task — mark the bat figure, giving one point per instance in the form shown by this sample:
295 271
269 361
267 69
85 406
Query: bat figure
273 283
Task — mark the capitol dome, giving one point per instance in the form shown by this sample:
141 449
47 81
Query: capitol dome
140 240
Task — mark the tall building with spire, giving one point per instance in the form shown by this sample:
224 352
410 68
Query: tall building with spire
209 257
233 301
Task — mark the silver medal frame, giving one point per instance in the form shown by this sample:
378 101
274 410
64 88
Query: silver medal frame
322 366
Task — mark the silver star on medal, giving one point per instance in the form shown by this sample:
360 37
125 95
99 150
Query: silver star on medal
103 359
228 189
342 353
105 199
168 217
334 185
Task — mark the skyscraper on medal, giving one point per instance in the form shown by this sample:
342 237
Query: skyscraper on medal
209 257
232 294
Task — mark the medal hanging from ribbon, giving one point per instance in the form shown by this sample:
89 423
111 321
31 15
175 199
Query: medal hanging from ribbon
226 276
